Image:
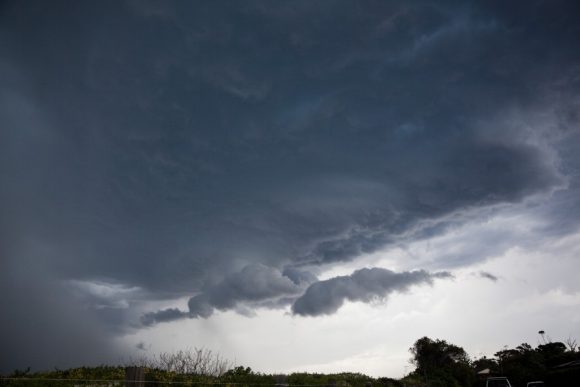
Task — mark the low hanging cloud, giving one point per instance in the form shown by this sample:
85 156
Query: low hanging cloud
165 315
326 297
255 285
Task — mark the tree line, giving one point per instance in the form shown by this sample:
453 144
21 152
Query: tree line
437 364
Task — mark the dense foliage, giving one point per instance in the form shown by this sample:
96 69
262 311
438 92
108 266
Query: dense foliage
238 376
439 363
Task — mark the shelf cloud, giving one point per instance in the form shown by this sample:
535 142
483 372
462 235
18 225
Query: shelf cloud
228 155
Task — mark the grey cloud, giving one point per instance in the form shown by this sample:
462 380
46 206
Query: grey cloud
253 283
326 297
256 285
298 276
323 168
142 346
181 142
489 276
164 315
101 295
199 306
42 325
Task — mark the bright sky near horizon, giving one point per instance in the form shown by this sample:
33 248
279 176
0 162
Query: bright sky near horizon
297 185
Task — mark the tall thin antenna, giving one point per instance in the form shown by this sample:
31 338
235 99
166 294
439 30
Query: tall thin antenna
542 335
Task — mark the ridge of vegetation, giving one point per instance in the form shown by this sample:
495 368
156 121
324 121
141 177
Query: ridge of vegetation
437 363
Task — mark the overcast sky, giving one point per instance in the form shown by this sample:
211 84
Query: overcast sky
298 185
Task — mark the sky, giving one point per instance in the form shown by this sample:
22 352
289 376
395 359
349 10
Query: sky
296 185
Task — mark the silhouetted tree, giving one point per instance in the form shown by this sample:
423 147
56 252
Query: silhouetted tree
521 364
441 363
485 363
553 353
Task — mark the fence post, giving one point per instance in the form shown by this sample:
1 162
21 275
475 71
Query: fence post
134 377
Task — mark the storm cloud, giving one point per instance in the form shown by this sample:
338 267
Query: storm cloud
230 152
254 285
326 297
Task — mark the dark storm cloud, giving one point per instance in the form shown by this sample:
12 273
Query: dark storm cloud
42 325
326 297
298 276
256 285
165 315
177 147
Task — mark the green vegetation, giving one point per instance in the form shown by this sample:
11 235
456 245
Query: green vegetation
238 376
343 379
437 363
65 378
